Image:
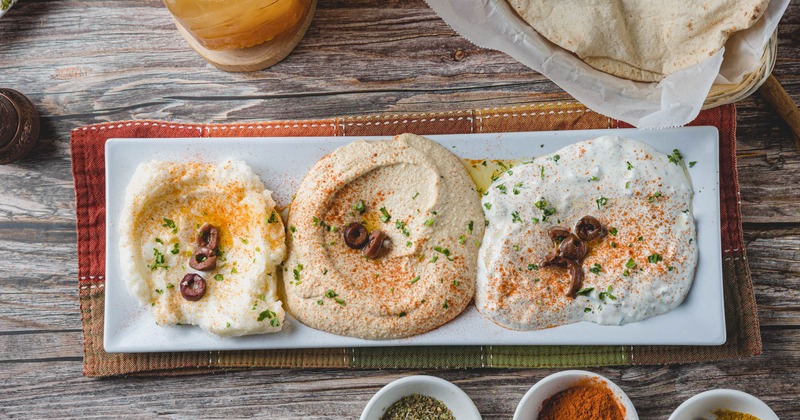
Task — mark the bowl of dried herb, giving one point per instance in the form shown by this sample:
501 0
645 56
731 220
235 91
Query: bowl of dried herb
420 397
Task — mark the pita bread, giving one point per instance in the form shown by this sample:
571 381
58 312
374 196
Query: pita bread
640 40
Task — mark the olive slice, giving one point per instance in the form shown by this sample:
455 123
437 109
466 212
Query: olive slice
193 287
552 258
589 228
355 235
558 234
573 248
576 273
208 237
203 260
377 244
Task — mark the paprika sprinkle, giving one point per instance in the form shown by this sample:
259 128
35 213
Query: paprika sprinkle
589 399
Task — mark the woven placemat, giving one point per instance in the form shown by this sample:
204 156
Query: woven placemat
88 168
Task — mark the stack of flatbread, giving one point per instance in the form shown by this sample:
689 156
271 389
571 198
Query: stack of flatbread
642 40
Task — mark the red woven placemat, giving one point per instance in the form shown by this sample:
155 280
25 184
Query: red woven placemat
89 171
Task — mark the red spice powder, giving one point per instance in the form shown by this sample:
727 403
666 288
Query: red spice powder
589 399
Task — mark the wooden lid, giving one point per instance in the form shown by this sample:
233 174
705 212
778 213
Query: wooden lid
19 126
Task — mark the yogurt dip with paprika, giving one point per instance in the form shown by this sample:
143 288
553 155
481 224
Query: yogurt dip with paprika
640 261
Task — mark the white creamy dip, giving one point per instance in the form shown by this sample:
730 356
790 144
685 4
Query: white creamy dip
643 267
166 203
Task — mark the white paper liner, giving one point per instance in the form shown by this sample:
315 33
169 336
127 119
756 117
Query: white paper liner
674 101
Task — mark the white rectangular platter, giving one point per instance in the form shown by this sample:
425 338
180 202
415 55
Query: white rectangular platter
282 162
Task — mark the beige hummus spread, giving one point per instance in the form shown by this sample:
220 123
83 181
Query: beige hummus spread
420 196
166 204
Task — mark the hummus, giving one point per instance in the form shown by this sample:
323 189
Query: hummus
643 266
420 196
165 206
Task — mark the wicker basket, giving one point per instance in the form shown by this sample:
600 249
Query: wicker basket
725 94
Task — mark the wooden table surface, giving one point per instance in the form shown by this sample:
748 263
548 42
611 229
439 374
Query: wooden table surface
92 61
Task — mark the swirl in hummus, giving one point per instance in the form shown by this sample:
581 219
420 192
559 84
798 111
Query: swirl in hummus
644 263
166 204
418 194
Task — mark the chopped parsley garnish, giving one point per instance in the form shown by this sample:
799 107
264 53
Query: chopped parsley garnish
542 173
430 222
434 258
594 178
516 188
587 309
409 243
654 196
296 271
234 271
170 285
631 263
360 207
502 188
402 226
613 244
227 325
469 227
607 294
219 277
444 251
159 291
670 268
414 197
546 210
385 216
533 267
675 157
516 247
168 223
158 240
596 268
692 163
534 220
515 217
613 231
330 294
585 291
652 259
556 158
272 218
627 185
339 301
446 304
488 206
175 249
292 228
158 262
266 315
640 239
414 280
455 283
244 241
401 314
626 273
602 201
629 165
462 239
320 302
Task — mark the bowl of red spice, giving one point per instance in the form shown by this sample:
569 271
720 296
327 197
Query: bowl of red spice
575 394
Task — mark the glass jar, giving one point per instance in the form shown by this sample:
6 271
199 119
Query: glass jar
238 24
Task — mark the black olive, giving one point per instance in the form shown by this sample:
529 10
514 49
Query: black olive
558 234
203 260
193 287
377 244
576 273
355 235
573 248
208 237
589 228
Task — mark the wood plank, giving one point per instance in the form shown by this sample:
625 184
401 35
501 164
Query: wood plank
39 389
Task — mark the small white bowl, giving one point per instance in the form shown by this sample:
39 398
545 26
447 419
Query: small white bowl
452 396
531 403
704 404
